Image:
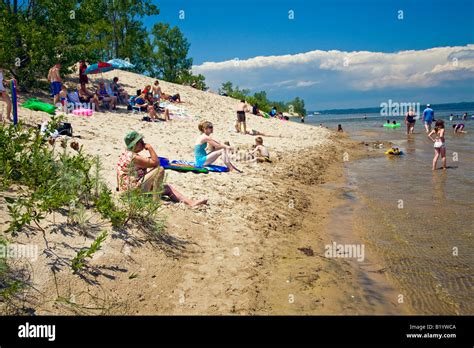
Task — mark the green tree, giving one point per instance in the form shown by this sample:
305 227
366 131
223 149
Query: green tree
297 106
37 34
197 81
226 88
170 58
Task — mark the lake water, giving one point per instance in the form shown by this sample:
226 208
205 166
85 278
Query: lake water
419 222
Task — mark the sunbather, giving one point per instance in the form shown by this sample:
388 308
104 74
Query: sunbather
144 103
156 108
139 172
85 96
204 159
175 98
119 91
102 95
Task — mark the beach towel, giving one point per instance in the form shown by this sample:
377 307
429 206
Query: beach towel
165 163
38 105
211 168
176 113
187 166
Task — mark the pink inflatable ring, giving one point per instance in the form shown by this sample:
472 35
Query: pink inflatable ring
82 112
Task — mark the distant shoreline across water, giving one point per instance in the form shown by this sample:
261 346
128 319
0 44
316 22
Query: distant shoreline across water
461 107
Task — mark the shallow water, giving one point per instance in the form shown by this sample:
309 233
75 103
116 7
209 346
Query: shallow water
419 222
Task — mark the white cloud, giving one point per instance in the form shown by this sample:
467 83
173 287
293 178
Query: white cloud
338 70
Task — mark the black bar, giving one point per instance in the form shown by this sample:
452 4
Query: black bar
327 330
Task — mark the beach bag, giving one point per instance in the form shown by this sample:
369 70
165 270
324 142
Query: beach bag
65 129
37 105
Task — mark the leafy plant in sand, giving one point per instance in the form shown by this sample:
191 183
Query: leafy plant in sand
79 261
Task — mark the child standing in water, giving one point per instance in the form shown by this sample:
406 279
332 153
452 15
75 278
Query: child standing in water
439 143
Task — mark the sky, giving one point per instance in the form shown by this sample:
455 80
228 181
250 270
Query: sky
332 53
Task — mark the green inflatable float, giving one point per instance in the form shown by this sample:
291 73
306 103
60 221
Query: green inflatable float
38 105
391 125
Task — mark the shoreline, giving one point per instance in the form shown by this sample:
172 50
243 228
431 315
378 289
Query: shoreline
301 279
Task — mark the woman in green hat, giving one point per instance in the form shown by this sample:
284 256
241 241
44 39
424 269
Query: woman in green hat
132 171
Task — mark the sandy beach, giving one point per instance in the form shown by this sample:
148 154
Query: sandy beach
256 248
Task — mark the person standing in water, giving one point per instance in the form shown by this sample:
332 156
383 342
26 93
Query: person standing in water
428 116
439 143
5 97
410 121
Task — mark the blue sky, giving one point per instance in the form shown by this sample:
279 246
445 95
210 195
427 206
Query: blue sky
223 30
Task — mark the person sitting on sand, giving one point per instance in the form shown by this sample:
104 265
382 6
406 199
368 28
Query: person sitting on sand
144 103
339 128
260 151
119 91
147 89
5 97
63 95
458 128
132 172
85 96
102 95
156 90
273 112
156 107
202 158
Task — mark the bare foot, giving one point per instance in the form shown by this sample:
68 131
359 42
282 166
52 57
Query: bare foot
232 168
198 202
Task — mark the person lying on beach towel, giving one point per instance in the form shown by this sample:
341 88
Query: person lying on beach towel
175 98
202 158
139 172
260 151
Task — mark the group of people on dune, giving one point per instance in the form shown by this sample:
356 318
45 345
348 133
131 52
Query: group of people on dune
108 96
